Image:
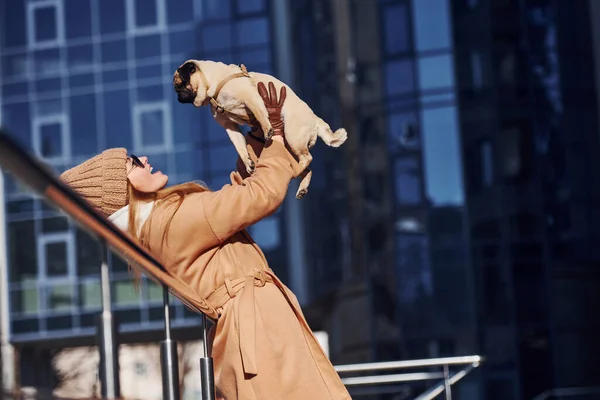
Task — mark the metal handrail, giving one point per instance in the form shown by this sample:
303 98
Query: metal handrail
447 379
26 168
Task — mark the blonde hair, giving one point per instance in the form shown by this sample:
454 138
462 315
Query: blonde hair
137 198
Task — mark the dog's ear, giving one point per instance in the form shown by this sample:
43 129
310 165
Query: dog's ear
186 71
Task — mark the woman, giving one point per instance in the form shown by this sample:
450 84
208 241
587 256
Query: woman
263 347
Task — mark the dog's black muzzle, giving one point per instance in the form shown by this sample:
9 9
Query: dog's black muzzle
185 96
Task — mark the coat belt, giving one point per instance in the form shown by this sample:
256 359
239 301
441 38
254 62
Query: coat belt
246 310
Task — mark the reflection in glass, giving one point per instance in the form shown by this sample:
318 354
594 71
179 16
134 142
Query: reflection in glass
46 28
47 63
60 297
399 77
216 37
408 180
182 41
431 24
83 124
180 11
78 18
56 258
52 85
26 301
397 37
267 233
15 66
253 31
213 9
151 125
250 6
147 46
222 158
90 295
80 58
146 13
117 118
113 51
112 16
403 131
436 72
444 185
51 140
413 268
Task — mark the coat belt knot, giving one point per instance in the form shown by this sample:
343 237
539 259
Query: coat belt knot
246 317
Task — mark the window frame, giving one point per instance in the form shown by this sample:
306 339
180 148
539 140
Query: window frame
131 18
31 25
62 119
138 110
47 282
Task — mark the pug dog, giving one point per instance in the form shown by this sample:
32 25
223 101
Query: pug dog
231 92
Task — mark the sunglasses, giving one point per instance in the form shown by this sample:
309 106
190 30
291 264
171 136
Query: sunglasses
136 162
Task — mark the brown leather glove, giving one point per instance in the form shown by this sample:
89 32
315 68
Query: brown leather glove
273 105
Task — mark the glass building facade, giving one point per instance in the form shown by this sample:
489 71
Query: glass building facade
80 76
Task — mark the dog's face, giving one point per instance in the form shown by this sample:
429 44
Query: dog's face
188 83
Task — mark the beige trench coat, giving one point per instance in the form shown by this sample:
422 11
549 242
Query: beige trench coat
263 347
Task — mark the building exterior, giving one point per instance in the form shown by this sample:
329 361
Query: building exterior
79 76
481 236
529 119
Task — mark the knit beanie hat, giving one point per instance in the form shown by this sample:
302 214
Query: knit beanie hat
101 180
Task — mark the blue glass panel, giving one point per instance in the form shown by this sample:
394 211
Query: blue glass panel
148 46
17 119
444 184
112 16
80 58
436 72
182 42
146 13
159 162
82 80
117 118
15 66
216 37
14 89
396 29
222 158
214 132
213 9
47 85
250 6
78 18
47 63
113 51
188 162
253 31
83 125
408 180
150 93
151 125
51 141
14 24
403 131
399 77
45 23
267 233
115 76
186 120
431 24
180 11
145 72
256 57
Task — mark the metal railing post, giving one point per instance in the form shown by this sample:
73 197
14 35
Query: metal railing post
107 343
207 373
447 385
169 360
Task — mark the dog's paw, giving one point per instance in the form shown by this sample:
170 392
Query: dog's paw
301 193
250 167
269 134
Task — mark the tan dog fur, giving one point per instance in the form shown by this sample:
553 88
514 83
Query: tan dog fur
240 97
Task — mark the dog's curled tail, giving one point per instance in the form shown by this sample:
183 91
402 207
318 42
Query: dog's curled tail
333 139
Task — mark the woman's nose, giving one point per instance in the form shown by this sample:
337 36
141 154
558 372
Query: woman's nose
144 159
